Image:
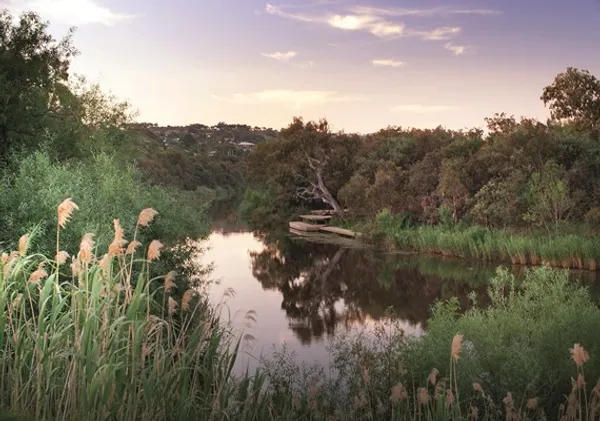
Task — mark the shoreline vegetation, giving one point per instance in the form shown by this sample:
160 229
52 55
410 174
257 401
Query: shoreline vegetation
566 251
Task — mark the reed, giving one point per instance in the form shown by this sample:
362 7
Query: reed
561 251
78 340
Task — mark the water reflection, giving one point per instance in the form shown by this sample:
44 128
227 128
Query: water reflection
305 293
323 286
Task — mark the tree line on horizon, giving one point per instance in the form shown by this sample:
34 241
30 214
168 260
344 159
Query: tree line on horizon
523 173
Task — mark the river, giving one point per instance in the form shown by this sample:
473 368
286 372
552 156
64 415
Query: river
303 294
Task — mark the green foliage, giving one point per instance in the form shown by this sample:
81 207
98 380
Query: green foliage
105 190
520 342
33 74
548 197
575 95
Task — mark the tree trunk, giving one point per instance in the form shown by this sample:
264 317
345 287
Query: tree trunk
327 197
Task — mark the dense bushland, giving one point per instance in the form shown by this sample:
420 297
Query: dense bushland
522 176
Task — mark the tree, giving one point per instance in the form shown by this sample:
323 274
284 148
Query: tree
33 69
575 96
323 161
549 198
451 187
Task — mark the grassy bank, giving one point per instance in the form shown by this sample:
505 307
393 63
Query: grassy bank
555 250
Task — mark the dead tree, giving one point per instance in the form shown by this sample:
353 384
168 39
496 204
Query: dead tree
317 190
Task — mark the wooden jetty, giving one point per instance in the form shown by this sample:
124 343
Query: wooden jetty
313 223
341 231
303 226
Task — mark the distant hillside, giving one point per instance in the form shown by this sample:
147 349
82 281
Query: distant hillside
196 156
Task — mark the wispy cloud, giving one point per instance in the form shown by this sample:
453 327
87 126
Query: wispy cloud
289 97
437 34
457 50
425 12
374 21
422 109
387 63
279 56
70 12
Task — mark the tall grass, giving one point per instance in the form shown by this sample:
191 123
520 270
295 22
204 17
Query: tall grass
562 251
83 337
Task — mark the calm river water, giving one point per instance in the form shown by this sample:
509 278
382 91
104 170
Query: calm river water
302 294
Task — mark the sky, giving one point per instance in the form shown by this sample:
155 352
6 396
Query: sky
361 64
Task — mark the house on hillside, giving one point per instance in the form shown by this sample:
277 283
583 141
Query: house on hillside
246 145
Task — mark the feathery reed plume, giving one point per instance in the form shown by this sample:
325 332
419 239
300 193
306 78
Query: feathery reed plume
38 274
474 415
85 248
449 398
532 403
146 216
187 299
154 250
579 355
249 337
104 263
61 257
172 306
17 301
433 376
423 396
4 258
398 393
23 243
75 266
132 246
477 387
580 381
170 281
65 210
456 346
116 246
508 400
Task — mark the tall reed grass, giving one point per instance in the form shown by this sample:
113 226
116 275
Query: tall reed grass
84 338
561 251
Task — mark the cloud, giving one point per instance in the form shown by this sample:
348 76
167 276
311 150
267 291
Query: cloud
432 11
457 50
70 12
422 109
438 34
373 20
288 96
287 56
278 11
387 63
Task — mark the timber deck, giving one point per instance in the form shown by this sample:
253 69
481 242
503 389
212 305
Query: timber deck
341 231
303 226
316 218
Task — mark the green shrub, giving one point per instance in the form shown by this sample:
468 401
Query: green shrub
105 188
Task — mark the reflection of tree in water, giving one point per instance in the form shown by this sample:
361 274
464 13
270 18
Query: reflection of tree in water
325 286
225 219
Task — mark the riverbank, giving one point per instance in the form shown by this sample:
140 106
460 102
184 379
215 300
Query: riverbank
567 251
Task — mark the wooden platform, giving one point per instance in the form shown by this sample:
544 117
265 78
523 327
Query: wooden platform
316 218
303 226
339 231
